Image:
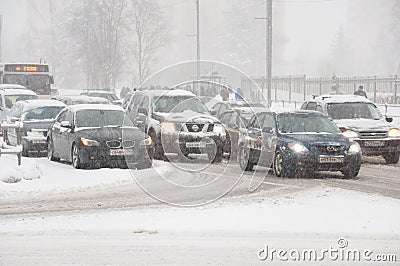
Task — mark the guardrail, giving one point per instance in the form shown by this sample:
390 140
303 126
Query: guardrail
5 147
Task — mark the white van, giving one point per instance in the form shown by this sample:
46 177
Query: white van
9 96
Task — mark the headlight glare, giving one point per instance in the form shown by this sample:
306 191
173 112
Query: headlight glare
148 141
350 134
89 142
218 128
298 148
394 133
354 148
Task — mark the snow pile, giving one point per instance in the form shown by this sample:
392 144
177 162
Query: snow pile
15 174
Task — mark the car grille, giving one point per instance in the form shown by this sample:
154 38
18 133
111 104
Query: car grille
373 134
194 127
330 149
115 144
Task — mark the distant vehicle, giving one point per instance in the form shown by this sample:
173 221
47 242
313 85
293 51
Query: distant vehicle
81 99
11 86
234 122
219 107
35 77
9 96
36 116
110 96
97 135
360 120
178 123
297 142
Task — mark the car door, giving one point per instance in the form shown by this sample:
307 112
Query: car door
268 140
233 125
225 118
254 132
55 132
64 136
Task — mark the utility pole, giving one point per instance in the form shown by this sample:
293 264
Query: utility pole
268 55
198 43
1 28
268 51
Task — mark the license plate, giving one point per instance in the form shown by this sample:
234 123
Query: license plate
374 143
121 152
195 145
38 141
331 159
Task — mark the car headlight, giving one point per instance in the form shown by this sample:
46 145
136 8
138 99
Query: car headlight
89 142
298 148
146 142
394 133
218 128
350 134
354 148
168 127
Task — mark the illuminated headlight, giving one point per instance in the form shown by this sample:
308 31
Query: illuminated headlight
354 148
298 148
218 129
89 142
146 142
350 134
34 134
394 133
168 127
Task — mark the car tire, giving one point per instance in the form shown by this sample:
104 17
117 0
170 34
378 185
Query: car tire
350 173
158 149
392 158
75 157
50 151
279 170
243 158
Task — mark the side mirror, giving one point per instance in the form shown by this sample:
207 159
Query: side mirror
142 111
65 124
14 119
213 112
389 119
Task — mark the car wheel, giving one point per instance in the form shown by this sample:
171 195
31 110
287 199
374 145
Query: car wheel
244 161
158 149
279 169
350 173
50 151
76 161
392 158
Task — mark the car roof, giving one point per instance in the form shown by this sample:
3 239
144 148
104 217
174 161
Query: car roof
38 103
98 91
17 92
175 92
295 111
79 107
341 98
12 86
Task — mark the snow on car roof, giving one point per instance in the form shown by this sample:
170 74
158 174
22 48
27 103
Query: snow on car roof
38 103
293 111
18 92
11 86
171 93
98 91
111 107
342 98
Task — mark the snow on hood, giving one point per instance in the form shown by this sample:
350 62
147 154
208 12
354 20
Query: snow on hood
188 116
363 124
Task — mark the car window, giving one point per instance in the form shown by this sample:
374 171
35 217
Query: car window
300 123
256 123
99 118
353 110
269 121
41 113
225 117
69 117
319 108
311 106
233 121
222 109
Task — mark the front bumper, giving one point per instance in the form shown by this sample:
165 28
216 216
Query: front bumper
34 145
376 147
192 142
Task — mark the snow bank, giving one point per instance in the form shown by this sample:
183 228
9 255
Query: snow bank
320 210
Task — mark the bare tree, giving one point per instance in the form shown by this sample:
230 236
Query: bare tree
149 35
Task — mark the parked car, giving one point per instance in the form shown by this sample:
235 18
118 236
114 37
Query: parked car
81 99
362 121
36 116
177 122
97 135
297 142
9 96
110 96
217 108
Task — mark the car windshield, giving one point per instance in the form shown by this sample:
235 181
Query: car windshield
353 111
41 113
296 123
102 118
10 100
178 104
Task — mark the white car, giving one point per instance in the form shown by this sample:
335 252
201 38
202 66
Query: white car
9 96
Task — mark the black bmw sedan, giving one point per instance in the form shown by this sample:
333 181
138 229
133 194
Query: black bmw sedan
98 135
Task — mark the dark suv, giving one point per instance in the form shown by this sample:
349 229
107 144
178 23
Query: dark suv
177 122
360 120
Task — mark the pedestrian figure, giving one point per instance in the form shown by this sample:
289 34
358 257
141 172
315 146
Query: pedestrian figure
360 91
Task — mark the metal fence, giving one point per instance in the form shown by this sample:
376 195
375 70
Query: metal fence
300 88
5 147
